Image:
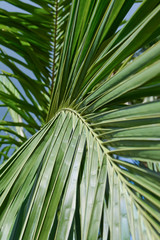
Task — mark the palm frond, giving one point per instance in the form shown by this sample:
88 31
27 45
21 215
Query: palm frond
61 11
92 170
30 35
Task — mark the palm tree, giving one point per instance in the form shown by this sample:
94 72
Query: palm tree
84 135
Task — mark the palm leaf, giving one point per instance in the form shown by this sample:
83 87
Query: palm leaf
92 170
33 32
